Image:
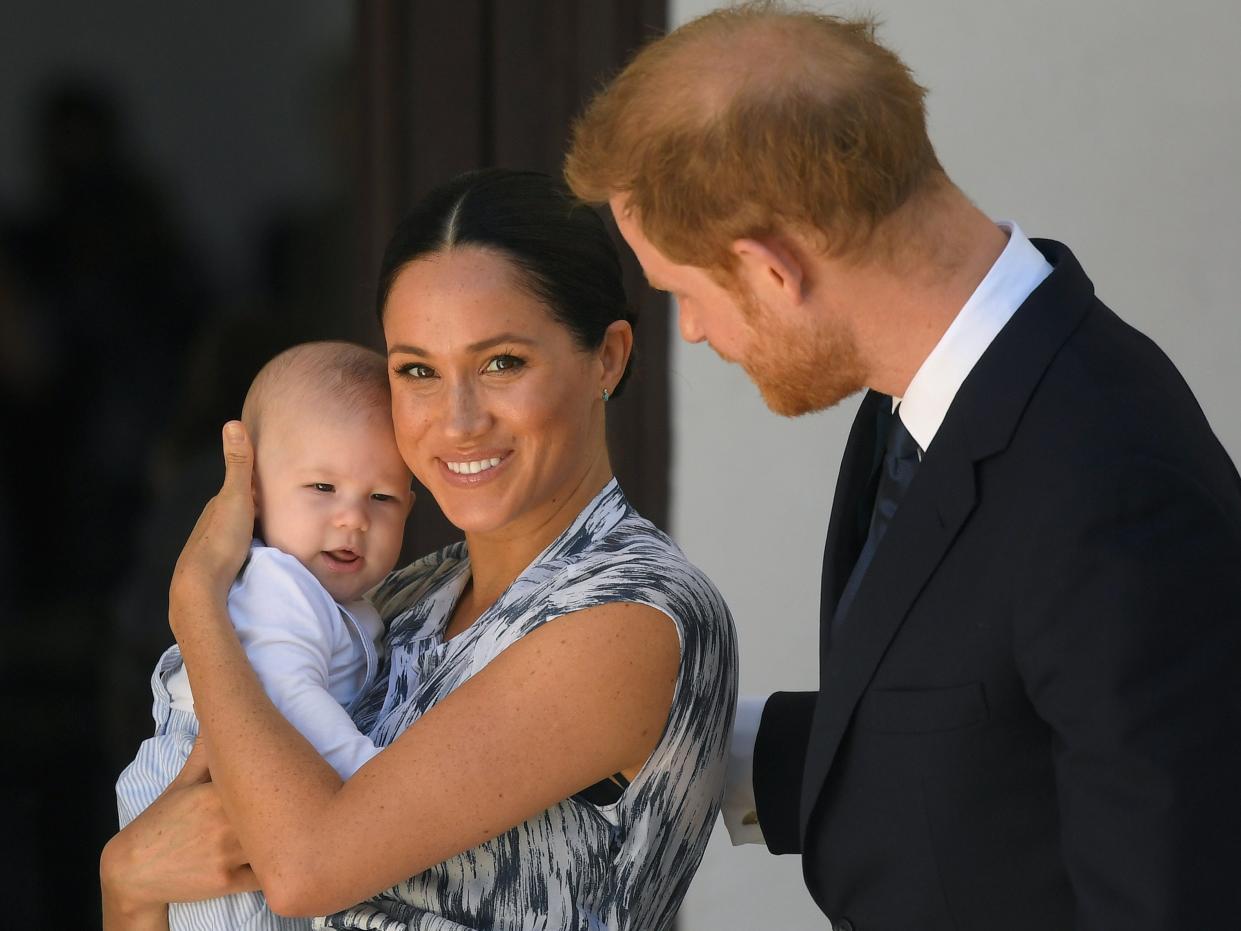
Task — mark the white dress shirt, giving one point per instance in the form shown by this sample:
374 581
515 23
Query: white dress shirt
1016 273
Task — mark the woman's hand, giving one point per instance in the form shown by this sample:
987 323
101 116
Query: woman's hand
181 849
217 547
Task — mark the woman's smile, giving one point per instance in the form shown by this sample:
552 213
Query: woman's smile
472 472
493 400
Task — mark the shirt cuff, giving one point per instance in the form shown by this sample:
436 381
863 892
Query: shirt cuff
740 811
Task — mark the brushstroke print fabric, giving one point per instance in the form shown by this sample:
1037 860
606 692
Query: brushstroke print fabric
577 866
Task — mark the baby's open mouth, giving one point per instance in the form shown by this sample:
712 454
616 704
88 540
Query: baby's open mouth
342 557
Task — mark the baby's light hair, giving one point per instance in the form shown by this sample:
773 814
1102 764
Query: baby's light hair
333 374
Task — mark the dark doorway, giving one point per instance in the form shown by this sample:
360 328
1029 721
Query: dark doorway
450 87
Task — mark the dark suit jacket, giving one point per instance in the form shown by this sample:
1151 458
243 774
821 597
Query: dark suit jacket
1031 718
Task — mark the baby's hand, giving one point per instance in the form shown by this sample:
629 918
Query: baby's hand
217 547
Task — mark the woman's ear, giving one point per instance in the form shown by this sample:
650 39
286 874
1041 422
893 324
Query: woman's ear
771 269
614 353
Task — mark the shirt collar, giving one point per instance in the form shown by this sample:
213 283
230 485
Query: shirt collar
1016 273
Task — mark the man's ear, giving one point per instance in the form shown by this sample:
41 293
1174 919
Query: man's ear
772 269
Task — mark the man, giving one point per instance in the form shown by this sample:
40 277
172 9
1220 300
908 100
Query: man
1029 713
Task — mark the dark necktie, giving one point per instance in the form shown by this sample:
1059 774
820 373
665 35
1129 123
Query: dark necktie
900 462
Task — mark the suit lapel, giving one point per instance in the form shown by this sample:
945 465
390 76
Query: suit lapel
937 505
932 512
846 529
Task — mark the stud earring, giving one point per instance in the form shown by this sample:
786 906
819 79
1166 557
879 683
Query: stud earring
606 394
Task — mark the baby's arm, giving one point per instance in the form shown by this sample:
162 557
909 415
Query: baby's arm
290 629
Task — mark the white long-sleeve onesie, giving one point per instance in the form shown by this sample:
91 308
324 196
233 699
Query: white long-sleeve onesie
313 657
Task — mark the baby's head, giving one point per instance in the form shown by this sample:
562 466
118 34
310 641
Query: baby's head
330 486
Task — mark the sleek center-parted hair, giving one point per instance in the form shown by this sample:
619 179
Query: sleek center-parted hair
560 248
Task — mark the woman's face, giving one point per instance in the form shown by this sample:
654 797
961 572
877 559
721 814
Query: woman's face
496 407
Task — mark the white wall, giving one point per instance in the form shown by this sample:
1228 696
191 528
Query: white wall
1112 125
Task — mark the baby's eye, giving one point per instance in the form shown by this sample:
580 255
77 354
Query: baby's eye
323 486
379 496
504 363
416 370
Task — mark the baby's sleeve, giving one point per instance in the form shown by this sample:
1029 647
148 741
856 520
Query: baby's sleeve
289 625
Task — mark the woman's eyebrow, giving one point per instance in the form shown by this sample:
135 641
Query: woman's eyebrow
405 349
497 340
480 346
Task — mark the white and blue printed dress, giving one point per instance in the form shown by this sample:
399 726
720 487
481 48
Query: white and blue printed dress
578 866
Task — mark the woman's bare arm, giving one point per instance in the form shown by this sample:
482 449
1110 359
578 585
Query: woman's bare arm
581 698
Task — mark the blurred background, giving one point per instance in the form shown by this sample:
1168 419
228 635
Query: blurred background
186 189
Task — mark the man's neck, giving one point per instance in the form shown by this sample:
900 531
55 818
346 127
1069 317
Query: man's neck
901 313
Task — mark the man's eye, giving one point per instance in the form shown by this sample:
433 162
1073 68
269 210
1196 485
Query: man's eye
323 486
504 363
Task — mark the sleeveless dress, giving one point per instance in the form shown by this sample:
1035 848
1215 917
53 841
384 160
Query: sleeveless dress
623 866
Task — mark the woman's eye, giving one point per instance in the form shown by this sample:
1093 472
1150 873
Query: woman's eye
504 363
324 487
416 370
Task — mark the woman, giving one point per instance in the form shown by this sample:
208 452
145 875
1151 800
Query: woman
558 692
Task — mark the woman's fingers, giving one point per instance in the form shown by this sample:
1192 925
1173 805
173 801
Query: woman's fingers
196 769
243 880
181 849
217 546
238 461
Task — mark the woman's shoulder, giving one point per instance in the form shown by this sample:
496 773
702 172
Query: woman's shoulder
635 561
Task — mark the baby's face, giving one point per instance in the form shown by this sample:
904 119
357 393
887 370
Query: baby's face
333 491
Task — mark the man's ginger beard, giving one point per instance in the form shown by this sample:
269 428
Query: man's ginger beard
797 372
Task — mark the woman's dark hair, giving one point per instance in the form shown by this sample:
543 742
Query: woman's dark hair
560 247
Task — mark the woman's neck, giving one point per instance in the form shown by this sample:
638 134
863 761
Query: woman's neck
497 558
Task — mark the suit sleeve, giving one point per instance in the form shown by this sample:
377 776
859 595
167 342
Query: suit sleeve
288 627
1129 643
779 761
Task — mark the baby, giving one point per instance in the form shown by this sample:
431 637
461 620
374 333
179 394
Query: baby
332 496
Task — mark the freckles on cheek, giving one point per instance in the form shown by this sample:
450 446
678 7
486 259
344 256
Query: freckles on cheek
410 433
543 413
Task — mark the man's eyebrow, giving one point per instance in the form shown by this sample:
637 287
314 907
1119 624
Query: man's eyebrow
480 346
